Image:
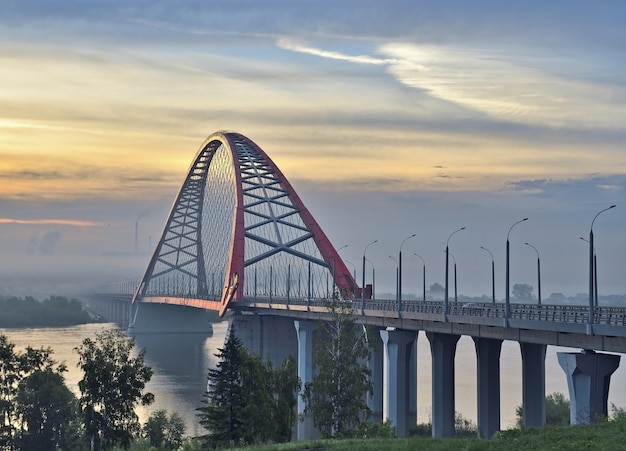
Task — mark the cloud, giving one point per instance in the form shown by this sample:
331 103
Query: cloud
64 222
289 44
488 82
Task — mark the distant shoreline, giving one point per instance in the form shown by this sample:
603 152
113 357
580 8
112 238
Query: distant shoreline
55 311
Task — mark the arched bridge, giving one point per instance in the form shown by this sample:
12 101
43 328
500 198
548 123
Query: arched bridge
237 228
239 238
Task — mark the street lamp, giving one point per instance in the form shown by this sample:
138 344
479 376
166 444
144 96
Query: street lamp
423 276
595 273
507 298
445 305
363 286
592 280
455 292
335 267
538 273
493 275
396 262
353 268
373 279
400 270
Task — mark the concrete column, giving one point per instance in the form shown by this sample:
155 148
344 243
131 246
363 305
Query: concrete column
488 385
533 384
588 377
272 337
169 318
304 332
375 364
443 349
397 381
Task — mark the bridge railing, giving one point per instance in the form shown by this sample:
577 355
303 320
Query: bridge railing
572 314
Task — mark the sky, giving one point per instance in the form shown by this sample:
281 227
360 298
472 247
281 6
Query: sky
389 118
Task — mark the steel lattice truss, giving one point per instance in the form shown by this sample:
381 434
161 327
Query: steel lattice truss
238 229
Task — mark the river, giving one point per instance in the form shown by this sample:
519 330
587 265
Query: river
180 363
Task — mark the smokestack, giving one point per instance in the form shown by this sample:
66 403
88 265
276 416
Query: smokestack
136 235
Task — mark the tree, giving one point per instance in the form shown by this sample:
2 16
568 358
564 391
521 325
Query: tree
286 386
336 395
523 292
49 412
163 432
436 289
225 399
248 401
113 385
37 410
9 378
557 410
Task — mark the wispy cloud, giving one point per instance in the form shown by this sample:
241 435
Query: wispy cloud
63 222
289 44
488 82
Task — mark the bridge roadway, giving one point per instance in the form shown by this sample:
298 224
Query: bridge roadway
532 326
557 325
266 325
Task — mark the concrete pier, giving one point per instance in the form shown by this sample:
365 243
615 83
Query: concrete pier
167 318
443 350
533 384
399 383
488 381
588 378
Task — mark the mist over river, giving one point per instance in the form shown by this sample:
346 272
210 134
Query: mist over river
180 363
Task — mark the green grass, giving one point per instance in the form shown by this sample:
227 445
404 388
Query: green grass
607 435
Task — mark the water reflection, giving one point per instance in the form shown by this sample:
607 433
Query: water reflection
180 363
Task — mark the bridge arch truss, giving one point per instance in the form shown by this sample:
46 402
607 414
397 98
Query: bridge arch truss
237 229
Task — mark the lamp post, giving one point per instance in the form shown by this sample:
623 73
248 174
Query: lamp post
455 292
595 273
445 299
592 278
538 273
363 285
353 268
493 275
423 276
373 278
397 271
508 254
400 267
335 267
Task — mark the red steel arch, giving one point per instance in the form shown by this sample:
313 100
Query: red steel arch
238 221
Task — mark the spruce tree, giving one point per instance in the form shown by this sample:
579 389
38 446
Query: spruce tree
225 399
248 402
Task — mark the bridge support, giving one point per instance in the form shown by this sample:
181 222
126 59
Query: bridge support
588 377
399 382
533 384
271 337
443 350
169 318
376 366
304 332
488 381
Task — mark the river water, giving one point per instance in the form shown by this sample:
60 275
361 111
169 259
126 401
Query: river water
180 363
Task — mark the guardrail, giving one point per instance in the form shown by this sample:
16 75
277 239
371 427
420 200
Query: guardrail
572 314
